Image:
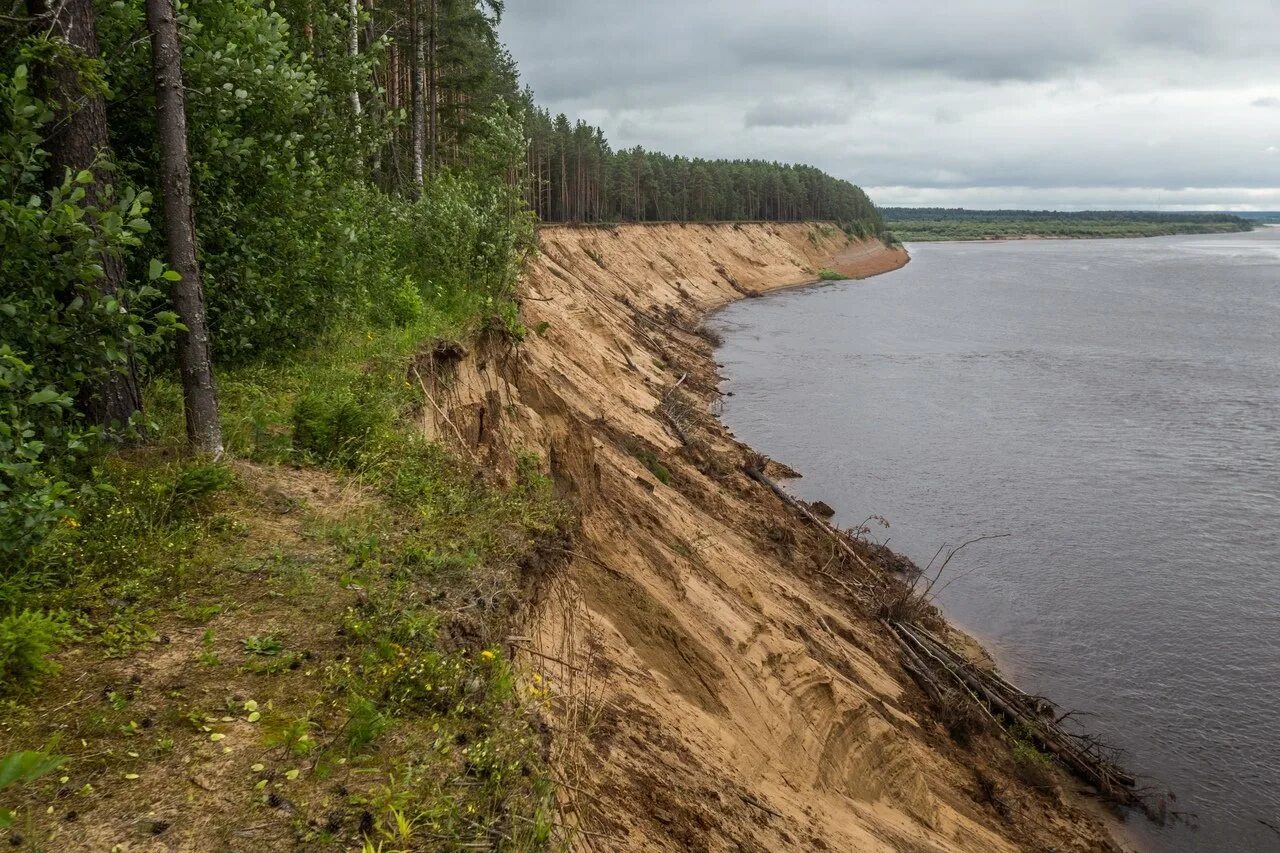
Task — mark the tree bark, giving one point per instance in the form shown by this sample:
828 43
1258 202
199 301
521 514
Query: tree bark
432 87
200 399
415 86
353 50
79 142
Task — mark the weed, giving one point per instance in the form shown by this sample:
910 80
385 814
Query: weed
266 646
831 275
23 768
650 460
125 633
333 426
208 657
292 737
196 484
365 724
1033 767
27 637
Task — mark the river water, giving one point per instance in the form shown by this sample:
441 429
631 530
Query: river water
1115 406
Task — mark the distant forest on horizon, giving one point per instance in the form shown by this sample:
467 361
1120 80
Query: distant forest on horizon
942 223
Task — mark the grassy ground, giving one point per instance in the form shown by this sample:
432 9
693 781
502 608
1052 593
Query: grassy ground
301 647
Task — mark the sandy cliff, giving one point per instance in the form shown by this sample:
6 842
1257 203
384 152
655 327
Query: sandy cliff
711 682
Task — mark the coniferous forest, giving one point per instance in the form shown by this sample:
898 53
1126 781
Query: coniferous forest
574 176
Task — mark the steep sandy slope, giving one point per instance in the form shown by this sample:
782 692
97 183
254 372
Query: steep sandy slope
711 680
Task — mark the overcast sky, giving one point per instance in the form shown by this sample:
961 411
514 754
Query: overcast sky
993 103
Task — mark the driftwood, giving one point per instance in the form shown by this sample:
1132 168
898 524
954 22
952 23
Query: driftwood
1034 717
837 535
939 670
664 407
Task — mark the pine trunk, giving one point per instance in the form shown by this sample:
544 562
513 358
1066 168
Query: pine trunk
415 86
200 399
433 132
79 142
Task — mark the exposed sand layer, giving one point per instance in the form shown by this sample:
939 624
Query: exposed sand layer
710 687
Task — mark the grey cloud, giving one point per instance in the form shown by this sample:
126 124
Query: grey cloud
791 113
969 95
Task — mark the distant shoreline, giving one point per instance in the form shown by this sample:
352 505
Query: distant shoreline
1012 238
927 224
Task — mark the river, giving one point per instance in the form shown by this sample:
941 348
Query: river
1115 406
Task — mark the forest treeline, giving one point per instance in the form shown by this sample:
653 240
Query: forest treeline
575 176
940 223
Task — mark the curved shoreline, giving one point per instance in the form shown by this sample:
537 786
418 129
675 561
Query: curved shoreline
984 652
748 699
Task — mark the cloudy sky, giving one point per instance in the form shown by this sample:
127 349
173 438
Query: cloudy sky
986 103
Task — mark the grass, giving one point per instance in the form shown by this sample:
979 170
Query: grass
307 640
831 275
650 460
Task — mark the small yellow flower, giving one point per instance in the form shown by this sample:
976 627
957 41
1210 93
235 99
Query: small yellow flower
68 521
487 655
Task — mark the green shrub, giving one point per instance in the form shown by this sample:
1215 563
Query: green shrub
27 637
831 275
333 426
651 461
402 306
62 333
198 482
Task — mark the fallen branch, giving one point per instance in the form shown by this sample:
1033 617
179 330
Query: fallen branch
1034 717
836 535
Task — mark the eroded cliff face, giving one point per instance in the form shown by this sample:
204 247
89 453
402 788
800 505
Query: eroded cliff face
708 681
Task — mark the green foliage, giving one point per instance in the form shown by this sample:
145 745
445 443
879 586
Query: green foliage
196 484
292 737
935 223
365 724
831 275
651 461
63 333
23 768
132 538
295 238
333 426
266 646
27 637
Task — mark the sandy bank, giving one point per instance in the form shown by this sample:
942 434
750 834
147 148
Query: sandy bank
711 684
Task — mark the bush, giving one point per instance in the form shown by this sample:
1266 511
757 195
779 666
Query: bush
333 426
1033 767
198 482
62 333
831 275
403 305
27 637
